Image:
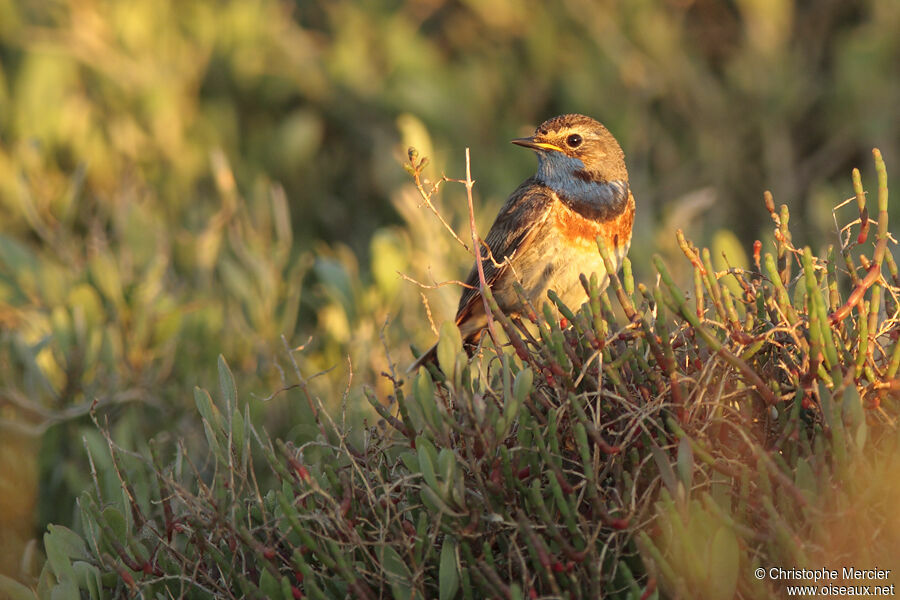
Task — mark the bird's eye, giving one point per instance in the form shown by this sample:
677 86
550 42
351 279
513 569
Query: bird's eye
574 140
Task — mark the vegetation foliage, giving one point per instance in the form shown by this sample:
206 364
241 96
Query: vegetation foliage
667 449
181 180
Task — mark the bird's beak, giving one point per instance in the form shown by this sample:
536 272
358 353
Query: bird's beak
529 142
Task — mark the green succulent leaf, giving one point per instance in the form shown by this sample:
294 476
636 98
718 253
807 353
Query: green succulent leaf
448 573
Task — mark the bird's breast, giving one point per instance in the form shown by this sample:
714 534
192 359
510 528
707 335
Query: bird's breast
581 231
565 247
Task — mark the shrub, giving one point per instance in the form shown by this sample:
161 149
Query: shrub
649 444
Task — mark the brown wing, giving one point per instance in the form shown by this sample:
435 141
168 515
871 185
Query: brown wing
525 208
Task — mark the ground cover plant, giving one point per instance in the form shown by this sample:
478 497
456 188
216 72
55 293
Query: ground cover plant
654 443
180 180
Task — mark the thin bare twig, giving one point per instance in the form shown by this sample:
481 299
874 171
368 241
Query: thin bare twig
427 194
477 244
434 286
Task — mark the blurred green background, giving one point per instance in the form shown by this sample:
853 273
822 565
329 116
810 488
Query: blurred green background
184 178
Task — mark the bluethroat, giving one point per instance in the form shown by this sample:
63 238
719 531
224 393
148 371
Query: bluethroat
545 234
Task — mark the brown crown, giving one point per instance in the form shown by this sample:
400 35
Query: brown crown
600 152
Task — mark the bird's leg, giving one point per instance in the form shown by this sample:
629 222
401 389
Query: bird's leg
471 344
517 321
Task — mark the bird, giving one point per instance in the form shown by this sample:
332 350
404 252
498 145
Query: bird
545 234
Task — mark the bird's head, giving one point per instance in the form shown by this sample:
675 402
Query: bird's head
578 158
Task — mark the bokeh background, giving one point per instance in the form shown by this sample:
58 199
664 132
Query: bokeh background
181 179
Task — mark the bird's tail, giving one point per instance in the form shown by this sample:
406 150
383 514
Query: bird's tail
470 343
427 357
